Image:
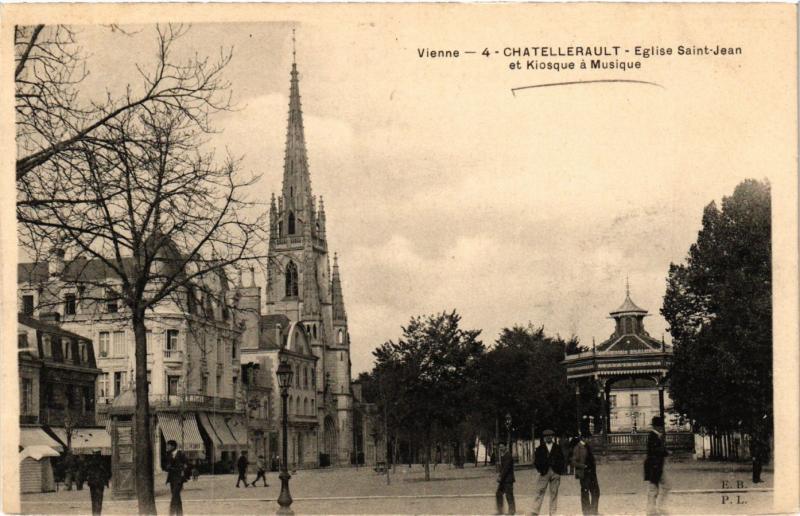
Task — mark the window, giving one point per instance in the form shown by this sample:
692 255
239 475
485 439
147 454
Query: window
25 396
612 400
69 304
291 280
172 340
204 385
102 386
634 400
102 342
291 223
119 344
172 385
111 303
314 330
305 378
341 356
67 348
22 340
83 351
88 399
119 382
27 304
47 346
233 350
313 377
219 385
340 337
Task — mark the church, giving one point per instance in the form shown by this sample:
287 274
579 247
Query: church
304 320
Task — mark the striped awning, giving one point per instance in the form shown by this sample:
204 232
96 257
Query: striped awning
216 429
86 440
238 429
182 429
37 436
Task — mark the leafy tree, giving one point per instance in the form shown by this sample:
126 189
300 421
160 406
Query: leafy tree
422 376
719 308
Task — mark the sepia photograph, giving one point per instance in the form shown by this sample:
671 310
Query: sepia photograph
400 259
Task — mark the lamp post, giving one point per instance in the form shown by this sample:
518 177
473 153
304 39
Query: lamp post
508 428
284 374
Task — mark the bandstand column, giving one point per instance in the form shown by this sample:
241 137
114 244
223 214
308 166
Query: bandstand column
661 400
578 406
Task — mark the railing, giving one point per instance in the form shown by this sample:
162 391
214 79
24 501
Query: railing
191 401
587 354
630 442
173 355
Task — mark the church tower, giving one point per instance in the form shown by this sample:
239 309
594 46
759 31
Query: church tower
300 286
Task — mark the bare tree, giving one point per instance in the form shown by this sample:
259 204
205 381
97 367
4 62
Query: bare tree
163 217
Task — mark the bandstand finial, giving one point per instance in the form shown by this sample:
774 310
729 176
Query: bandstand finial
627 286
294 48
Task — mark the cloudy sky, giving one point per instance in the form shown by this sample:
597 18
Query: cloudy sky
445 191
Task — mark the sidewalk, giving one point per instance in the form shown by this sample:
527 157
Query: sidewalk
697 488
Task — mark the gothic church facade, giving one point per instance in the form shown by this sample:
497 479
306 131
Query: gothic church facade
302 287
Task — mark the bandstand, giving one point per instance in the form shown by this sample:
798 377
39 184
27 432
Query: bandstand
632 356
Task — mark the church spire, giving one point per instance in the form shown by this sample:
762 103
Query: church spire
296 179
336 287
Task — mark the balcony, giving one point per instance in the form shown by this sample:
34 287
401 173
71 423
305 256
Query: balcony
191 402
173 355
637 443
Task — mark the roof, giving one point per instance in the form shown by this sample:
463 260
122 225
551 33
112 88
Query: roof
630 342
36 324
79 269
267 325
628 306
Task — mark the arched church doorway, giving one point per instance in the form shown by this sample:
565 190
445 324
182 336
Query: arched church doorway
329 440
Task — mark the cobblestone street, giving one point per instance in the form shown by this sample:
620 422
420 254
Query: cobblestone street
698 488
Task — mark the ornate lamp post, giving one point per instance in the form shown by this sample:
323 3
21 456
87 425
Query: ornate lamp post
284 374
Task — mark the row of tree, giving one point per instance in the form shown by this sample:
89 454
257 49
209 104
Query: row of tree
440 385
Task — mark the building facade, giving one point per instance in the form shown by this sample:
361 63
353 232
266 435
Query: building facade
305 304
193 346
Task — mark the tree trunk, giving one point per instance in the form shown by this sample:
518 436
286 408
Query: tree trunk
145 492
427 460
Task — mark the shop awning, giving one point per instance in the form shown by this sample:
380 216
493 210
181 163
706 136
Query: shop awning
218 431
229 442
238 429
86 440
37 437
181 429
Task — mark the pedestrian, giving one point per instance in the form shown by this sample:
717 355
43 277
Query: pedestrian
97 476
549 462
261 471
176 476
80 472
195 470
241 465
654 470
586 473
505 481
566 450
759 452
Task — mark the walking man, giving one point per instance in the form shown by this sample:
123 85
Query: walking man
505 481
549 462
241 465
97 477
654 471
586 473
176 475
261 471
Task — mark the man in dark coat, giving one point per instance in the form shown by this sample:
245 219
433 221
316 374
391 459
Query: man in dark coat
654 471
176 475
241 466
97 476
586 473
549 462
505 481
759 452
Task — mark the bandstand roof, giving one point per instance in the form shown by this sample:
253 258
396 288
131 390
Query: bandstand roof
628 307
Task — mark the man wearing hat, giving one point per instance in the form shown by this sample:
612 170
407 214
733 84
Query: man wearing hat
97 476
505 481
549 462
586 473
658 488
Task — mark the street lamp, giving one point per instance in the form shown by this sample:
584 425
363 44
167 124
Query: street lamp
508 428
284 374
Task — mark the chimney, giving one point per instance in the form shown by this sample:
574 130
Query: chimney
56 264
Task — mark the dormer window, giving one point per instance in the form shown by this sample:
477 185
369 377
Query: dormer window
70 304
111 303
